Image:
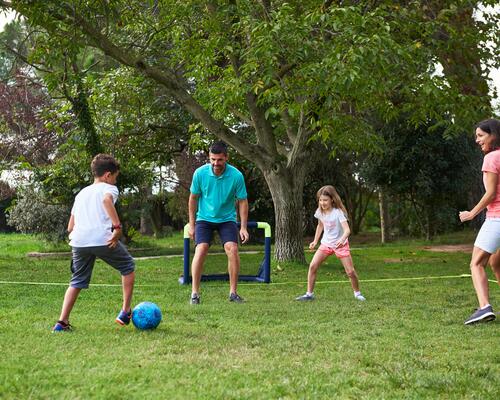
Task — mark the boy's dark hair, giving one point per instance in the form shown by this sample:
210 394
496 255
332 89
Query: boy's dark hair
103 163
218 148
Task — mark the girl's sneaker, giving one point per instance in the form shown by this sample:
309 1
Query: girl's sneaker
360 297
305 297
62 326
124 317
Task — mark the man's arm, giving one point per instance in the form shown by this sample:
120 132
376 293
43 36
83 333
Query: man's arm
192 208
243 211
110 209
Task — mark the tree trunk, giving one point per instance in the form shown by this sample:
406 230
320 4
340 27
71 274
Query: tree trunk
286 186
384 217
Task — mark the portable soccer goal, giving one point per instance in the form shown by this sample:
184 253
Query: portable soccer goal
264 270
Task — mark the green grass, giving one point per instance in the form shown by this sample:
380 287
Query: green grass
407 341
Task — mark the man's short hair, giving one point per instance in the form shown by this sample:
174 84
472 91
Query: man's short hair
103 163
218 148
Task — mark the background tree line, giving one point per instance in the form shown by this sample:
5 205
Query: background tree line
307 93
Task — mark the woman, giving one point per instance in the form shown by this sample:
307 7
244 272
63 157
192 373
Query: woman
488 239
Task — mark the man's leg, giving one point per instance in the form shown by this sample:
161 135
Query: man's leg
200 253
233 257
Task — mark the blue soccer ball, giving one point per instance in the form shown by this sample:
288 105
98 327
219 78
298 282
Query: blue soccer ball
146 315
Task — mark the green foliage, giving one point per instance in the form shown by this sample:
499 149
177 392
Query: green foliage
34 212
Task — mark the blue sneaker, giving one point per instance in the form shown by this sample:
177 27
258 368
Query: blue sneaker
62 326
236 298
124 317
479 315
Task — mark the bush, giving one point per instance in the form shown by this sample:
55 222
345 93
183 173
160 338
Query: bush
33 212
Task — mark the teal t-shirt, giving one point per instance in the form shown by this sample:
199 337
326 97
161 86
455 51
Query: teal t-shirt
217 195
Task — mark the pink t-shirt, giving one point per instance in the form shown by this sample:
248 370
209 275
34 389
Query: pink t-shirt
491 163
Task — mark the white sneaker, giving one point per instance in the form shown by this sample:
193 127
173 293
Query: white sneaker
305 297
360 297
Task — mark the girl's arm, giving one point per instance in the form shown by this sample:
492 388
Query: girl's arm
71 223
345 235
317 235
491 182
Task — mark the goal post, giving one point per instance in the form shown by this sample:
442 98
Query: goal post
264 272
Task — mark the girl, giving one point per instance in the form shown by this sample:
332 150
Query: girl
488 239
331 215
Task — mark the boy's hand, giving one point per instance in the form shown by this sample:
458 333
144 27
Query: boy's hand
191 231
117 234
312 245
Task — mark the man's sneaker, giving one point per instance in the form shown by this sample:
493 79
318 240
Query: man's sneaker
360 297
124 317
195 299
479 315
62 326
236 298
305 297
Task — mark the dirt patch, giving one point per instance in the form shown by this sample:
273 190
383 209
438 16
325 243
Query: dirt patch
450 248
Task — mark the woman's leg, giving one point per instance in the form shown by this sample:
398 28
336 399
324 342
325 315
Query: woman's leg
495 265
479 278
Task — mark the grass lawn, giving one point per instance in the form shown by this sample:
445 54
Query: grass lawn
406 341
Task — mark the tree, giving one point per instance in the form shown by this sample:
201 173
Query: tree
290 71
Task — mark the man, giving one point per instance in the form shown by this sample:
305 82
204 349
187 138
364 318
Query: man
215 190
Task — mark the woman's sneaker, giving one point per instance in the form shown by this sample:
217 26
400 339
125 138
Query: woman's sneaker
124 317
360 297
305 297
62 326
481 315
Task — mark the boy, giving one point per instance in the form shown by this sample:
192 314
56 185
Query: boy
95 231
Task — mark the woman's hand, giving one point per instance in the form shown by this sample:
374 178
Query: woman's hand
465 216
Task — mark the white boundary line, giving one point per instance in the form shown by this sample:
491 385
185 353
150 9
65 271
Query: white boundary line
419 278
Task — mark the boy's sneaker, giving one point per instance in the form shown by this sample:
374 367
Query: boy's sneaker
62 326
195 299
479 315
305 297
124 317
360 297
236 298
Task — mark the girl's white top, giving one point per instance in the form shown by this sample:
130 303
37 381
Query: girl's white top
92 223
332 225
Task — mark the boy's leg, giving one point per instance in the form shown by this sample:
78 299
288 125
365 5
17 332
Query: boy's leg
121 260
68 303
128 289
317 260
351 272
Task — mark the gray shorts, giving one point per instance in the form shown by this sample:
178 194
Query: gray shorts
83 261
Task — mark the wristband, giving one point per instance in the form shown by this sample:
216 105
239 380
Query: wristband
118 226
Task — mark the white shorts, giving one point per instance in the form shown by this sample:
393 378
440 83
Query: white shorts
488 238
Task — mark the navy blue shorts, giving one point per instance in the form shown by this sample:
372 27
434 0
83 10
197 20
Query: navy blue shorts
203 232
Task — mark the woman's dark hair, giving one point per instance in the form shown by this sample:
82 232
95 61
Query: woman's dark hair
492 127
103 163
218 148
